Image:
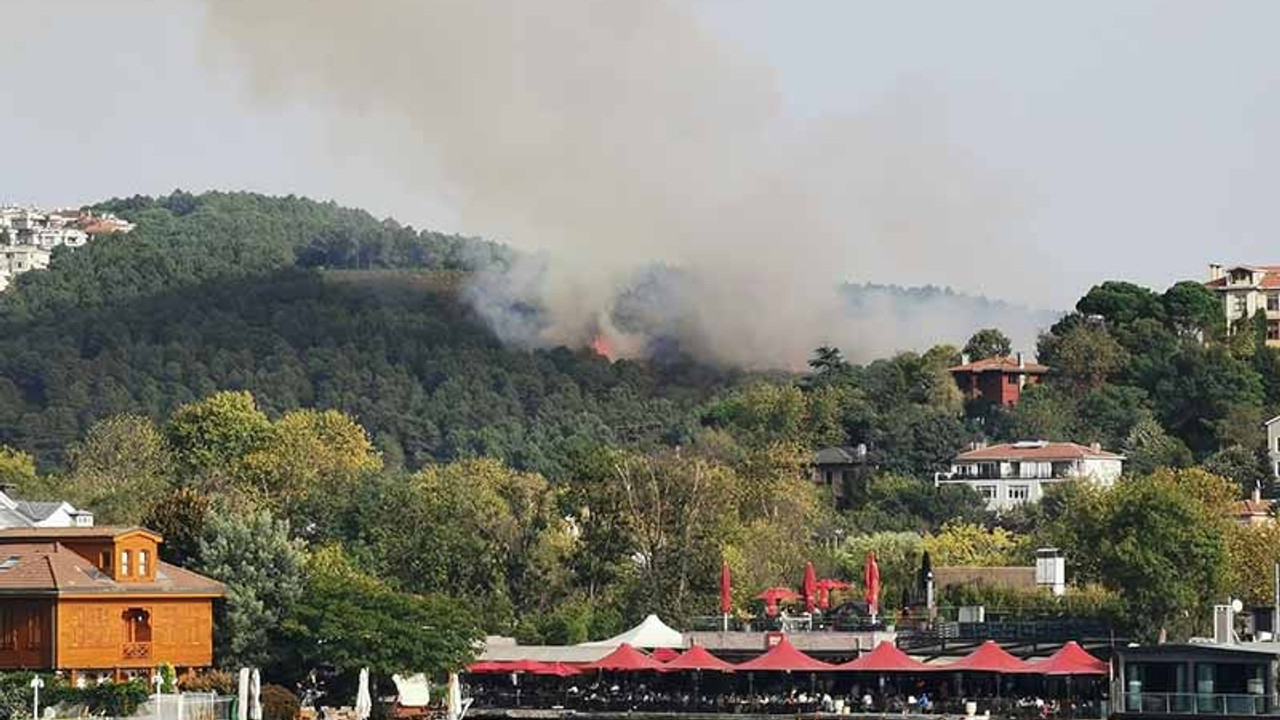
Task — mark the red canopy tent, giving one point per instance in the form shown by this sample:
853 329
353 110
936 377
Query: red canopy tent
699 658
665 655
505 666
886 658
1071 660
784 657
557 669
989 657
625 659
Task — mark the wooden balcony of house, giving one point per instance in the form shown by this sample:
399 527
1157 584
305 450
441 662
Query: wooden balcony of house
136 651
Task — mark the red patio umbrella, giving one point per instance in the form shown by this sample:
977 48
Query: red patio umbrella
726 588
989 657
625 659
886 658
810 587
871 580
1070 660
699 658
784 657
773 596
825 586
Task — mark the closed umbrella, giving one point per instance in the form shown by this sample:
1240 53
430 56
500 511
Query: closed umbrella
364 702
871 579
454 699
242 695
255 695
726 594
810 587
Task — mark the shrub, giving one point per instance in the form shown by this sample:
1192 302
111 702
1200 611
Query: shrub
114 699
278 703
213 681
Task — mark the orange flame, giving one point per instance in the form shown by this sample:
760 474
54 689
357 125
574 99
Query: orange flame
602 347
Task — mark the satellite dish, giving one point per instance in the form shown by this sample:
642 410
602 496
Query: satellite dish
1236 605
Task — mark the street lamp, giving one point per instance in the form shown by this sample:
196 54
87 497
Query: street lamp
36 684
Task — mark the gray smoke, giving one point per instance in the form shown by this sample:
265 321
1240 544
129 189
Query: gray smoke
609 135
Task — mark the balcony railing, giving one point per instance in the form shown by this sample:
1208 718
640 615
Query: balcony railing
1196 704
136 650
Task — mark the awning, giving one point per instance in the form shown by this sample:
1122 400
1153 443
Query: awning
650 633
699 658
886 657
989 657
1070 660
625 659
784 657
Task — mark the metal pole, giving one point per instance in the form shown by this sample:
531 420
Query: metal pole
1275 611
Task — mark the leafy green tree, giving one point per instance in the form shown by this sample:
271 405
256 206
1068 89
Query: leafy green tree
1107 415
1192 308
898 555
263 569
987 343
1158 541
1248 469
17 468
969 544
1149 447
351 620
212 434
1043 412
1205 384
123 459
1121 303
181 517
900 504
1085 357
917 441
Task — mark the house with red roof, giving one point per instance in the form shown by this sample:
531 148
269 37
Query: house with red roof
1247 290
997 380
1010 474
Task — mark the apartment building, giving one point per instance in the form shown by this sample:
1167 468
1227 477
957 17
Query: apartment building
1247 290
1010 474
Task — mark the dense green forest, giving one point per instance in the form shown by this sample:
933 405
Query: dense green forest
298 383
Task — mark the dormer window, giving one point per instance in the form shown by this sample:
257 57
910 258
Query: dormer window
124 563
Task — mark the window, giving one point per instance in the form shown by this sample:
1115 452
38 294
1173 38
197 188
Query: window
1273 329
1019 493
104 561
124 563
35 629
988 492
1273 302
6 628
1011 379
1240 306
142 563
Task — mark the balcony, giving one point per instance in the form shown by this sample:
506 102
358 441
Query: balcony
136 651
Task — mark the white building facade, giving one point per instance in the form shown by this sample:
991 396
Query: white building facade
1011 474
1248 290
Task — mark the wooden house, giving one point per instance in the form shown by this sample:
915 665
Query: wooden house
97 602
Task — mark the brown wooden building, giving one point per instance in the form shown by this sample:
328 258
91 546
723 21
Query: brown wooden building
97 601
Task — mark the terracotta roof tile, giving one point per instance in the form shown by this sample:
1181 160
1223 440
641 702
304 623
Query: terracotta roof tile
1001 364
27 534
1036 451
51 568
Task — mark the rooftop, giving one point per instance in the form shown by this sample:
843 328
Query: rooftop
1001 364
103 532
1036 450
49 568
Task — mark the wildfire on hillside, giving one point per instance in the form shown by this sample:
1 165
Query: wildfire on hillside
602 347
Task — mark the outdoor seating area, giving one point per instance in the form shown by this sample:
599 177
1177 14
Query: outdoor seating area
784 680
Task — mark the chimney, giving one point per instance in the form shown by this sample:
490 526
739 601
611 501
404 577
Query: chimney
1095 448
964 358
861 452
1022 361
1257 492
1215 271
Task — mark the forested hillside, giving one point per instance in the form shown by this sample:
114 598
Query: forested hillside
247 292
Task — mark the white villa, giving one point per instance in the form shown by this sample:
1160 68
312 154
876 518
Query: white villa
16 513
1010 474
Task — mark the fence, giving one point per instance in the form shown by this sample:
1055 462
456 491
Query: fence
188 706
1195 704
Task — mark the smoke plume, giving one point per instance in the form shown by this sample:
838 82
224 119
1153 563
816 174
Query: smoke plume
611 138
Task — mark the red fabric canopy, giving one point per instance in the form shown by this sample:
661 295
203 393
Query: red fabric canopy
557 669
488 666
886 657
1071 660
785 657
505 666
699 658
625 659
990 657
665 655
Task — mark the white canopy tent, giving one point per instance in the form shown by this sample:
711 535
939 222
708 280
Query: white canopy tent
650 633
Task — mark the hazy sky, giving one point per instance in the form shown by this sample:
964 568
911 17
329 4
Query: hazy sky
1138 139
